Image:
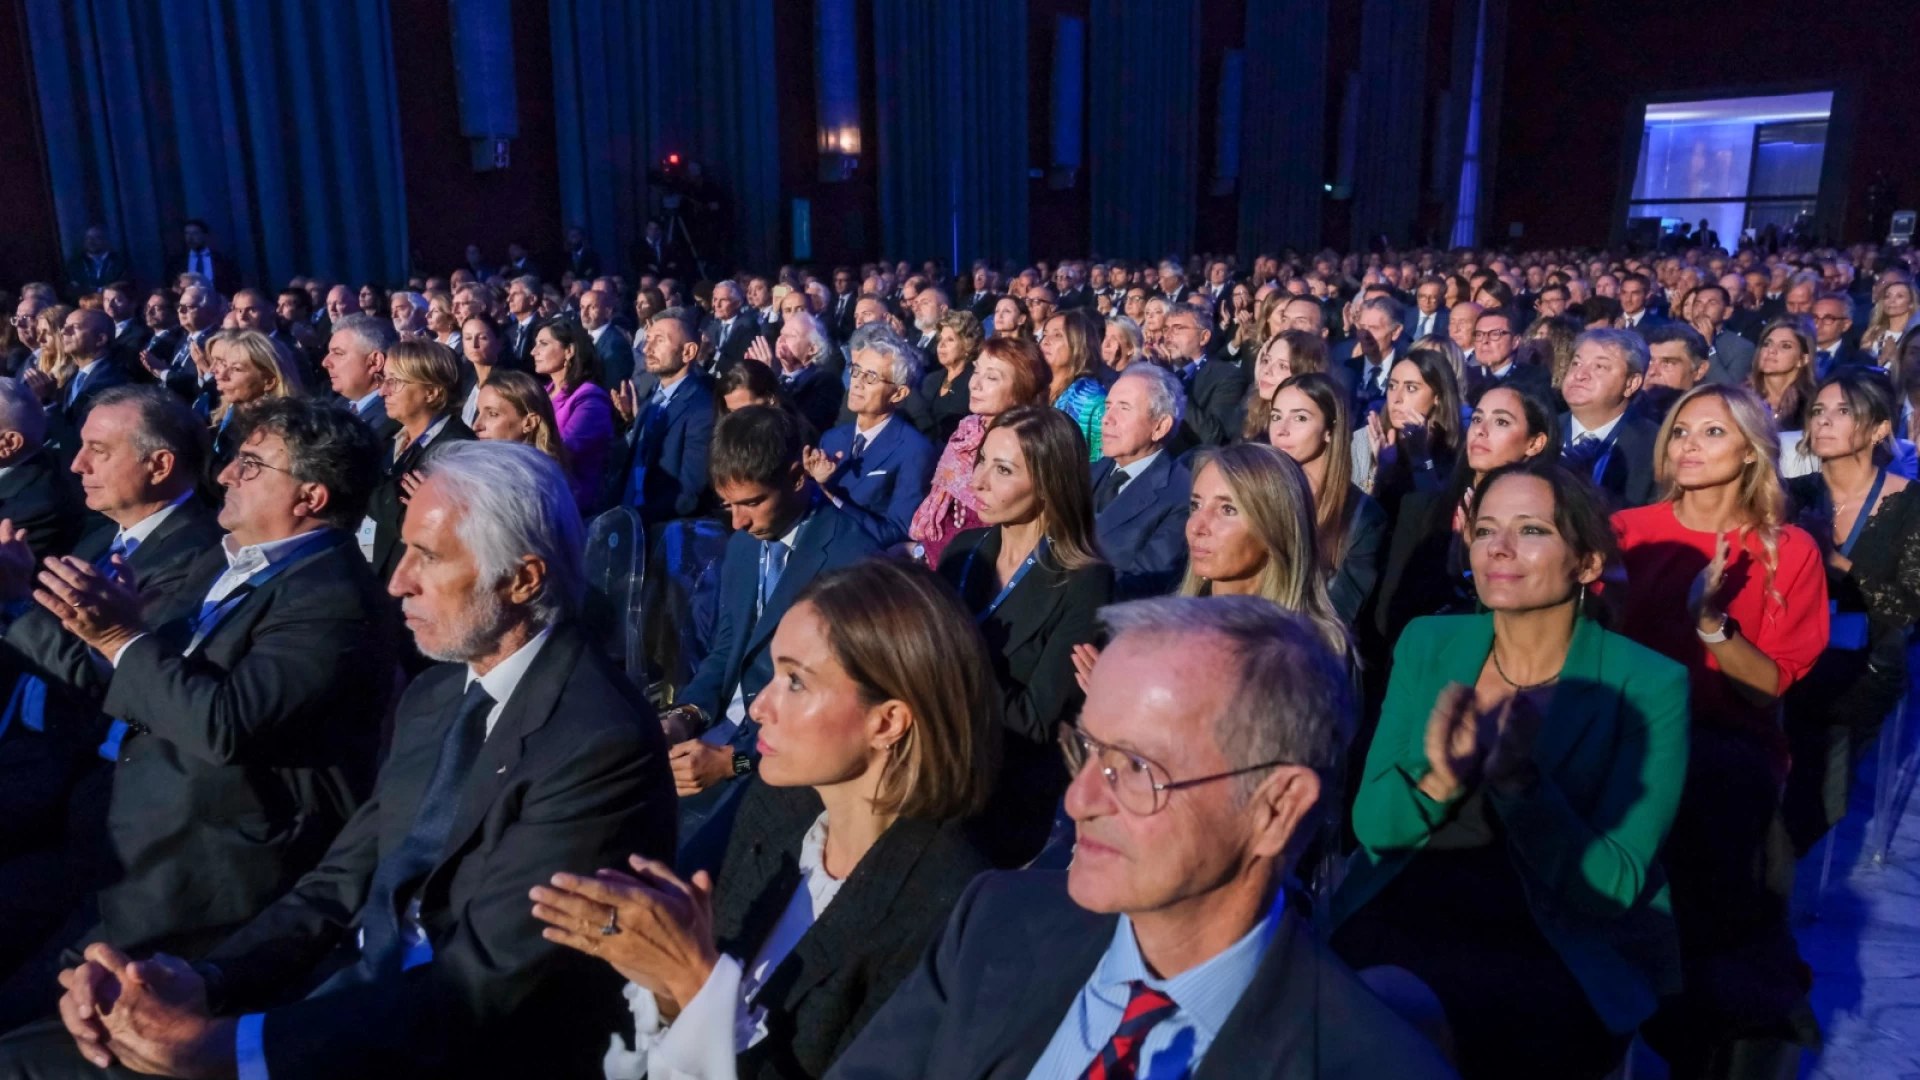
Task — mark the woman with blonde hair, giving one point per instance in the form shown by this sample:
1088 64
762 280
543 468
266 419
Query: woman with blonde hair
514 406
54 363
1153 326
1251 531
1121 345
1309 423
1285 355
955 347
1894 310
1717 580
1783 370
418 386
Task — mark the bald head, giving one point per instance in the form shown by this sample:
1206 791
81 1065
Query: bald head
86 334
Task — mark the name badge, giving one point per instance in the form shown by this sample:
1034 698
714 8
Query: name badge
365 536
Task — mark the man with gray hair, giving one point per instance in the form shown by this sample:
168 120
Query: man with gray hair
1139 488
355 361
524 753
610 343
523 320
1209 749
800 356
1601 438
733 326
877 466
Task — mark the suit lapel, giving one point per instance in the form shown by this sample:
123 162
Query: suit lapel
1138 496
862 903
1274 1030
1040 980
803 565
527 711
1575 704
29 470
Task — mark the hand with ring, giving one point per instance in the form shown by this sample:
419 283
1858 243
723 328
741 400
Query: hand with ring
655 929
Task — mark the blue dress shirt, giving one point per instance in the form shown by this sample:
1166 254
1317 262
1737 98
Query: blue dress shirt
1206 996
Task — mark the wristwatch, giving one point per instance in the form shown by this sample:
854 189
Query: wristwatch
1717 636
742 764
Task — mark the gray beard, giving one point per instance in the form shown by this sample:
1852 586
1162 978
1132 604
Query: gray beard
476 630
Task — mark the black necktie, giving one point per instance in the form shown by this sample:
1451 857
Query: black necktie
1109 490
858 451
384 946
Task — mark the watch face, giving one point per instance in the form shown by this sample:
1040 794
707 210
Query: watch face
742 764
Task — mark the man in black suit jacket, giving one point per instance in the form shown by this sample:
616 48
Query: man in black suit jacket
139 463
121 302
839 314
525 754
733 327
522 322
356 359
214 268
1214 386
1024 981
611 345
253 718
582 263
37 494
95 267
786 533
1601 437
88 339
1139 490
660 467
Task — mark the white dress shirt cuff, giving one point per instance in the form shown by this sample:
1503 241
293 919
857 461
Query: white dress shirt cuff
250 1046
122 650
702 1043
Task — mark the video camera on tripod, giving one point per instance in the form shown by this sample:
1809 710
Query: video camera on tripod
684 194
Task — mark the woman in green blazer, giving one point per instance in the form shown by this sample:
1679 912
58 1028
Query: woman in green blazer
1507 893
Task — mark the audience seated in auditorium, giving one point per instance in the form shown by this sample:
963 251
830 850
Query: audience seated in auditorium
1140 490
1308 423
1009 372
877 467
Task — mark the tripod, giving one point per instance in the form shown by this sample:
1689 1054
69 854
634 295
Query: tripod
677 225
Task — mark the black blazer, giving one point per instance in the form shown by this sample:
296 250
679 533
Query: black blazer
244 758
1627 474
988 997
746 327
1417 579
43 498
946 410
65 418
1030 639
1363 546
846 966
816 393
1213 403
386 509
36 644
573 777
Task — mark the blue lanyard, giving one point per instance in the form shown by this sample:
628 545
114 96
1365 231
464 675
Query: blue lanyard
1866 511
966 572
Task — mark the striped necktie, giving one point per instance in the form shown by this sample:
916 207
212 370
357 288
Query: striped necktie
1120 1058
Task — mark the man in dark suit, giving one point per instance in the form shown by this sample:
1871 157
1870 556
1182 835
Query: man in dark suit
1139 489
1494 343
660 468
983 298
522 322
610 343
95 267
877 466
1601 438
582 263
1073 292
1214 387
785 533
1635 299
1173 283
121 301
1101 968
522 755
519 264
733 326
138 464
1379 341
846 297
214 268
1729 355
1832 319
263 699
356 357
87 337
651 254
37 494
1430 310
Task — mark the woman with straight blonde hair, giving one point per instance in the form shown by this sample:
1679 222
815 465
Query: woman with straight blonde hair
54 362
248 367
1717 580
1896 306
1250 532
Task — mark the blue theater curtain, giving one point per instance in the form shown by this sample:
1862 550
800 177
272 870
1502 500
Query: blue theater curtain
635 80
1393 68
950 85
1143 164
1283 141
276 123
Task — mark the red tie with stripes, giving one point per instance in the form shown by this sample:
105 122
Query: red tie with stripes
1120 1059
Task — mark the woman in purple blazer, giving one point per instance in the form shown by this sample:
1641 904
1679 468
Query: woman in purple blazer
564 354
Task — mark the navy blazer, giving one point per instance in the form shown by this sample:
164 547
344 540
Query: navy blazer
674 449
615 350
831 538
1627 473
1143 532
891 481
989 995
815 392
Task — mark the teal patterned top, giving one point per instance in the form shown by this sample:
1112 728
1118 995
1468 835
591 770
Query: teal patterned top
1086 402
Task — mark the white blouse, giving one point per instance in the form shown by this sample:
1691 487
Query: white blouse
721 1021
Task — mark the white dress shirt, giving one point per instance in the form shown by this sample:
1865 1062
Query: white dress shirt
721 1021
1132 472
1576 431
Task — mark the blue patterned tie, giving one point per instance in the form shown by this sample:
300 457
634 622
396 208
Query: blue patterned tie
384 945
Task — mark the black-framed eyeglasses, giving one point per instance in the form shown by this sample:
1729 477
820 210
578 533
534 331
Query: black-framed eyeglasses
249 466
1139 785
862 377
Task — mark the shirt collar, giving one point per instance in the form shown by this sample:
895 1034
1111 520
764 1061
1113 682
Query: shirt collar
598 334
873 432
668 389
1134 470
360 406
426 436
499 683
268 552
1603 432
1205 994
136 534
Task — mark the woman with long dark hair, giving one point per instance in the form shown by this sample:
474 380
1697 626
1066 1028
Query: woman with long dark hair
1309 424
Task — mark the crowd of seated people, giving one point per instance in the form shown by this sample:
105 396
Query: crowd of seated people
1421 663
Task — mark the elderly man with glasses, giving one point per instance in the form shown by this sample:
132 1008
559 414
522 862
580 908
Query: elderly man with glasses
1210 744
877 467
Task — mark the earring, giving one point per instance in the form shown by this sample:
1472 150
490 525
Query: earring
1580 606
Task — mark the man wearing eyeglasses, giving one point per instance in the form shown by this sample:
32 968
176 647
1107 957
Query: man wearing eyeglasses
190 372
252 713
876 466
1494 342
1832 318
26 330
1209 748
